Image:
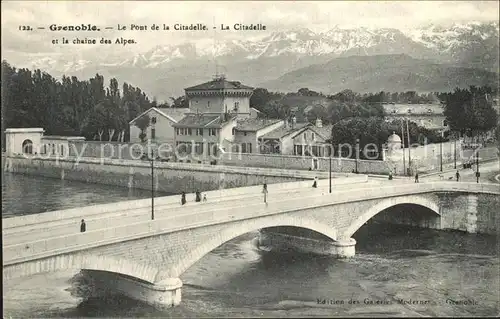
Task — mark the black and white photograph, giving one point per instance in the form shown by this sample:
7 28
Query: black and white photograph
250 159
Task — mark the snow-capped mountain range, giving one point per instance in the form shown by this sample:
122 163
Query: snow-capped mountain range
471 44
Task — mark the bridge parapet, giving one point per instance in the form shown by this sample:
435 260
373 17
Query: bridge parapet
205 216
9 225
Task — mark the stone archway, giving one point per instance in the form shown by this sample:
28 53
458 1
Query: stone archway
27 146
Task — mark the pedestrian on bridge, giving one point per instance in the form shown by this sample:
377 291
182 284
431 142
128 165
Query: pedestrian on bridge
315 183
457 174
198 196
204 198
416 177
83 227
183 198
264 191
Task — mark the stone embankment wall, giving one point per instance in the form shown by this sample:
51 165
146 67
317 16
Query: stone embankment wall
168 177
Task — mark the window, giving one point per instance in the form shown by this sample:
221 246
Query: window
153 133
233 130
305 136
212 132
198 148
445 123
236 106
189 132
246 147
212 149
181 147
297 150
53 149
62 149
208 104
312 136
245 133
153 120
199 131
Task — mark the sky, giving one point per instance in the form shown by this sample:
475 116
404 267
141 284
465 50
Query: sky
276 15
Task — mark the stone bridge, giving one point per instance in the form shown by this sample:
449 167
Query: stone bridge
124 250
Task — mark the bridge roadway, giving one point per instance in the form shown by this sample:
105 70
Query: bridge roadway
31 243
164 208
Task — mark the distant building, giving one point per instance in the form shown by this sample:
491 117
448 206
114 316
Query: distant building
248 133
314 140
220 119
160 128
429 116
32 141
204 134
220 96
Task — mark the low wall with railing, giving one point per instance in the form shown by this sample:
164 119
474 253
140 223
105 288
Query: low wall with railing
304 163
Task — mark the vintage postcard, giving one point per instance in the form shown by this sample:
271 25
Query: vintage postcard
184 159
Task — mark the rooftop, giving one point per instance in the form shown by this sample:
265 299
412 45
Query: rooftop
201 120
176 113
255 124
59 137
284 131
219 84
325 131
172 113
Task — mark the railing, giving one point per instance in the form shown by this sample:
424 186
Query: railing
79 241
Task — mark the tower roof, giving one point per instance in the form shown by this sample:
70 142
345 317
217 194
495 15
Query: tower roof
394 138
219 84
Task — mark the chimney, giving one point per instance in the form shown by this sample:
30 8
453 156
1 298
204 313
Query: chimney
319 123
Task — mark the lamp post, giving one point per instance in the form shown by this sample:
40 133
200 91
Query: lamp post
152 186
409 146
477 165
330 170
403 146
153 120
357 154
455 149
441 156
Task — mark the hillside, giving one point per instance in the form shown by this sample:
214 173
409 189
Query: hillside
397 72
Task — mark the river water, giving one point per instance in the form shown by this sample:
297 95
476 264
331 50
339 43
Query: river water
397 271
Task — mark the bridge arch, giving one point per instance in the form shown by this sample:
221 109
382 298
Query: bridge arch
80 261
388 203
238 229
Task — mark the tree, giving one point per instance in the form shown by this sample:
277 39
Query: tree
142 123
370 130
180 102
469 111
